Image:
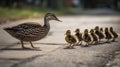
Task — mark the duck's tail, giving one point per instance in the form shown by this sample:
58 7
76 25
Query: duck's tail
7 29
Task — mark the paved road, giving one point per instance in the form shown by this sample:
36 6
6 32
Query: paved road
53 53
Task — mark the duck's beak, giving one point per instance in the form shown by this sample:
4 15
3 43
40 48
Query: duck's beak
59 20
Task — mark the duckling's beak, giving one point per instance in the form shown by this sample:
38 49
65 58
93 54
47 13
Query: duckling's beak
75 31
65 33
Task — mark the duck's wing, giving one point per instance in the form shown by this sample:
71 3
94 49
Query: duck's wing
27 29
26 26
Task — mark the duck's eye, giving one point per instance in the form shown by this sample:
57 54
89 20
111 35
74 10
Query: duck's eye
48 17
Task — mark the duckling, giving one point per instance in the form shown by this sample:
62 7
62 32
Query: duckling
70 39
87 37
94 36
108 35
115 35
101 29
99 33
79 36
31 31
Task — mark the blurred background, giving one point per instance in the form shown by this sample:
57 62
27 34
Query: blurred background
83 14
21 9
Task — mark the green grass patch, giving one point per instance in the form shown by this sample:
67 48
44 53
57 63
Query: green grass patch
18 13
15 13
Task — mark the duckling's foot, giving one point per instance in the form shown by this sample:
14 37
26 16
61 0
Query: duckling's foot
78 44
96 43
107 41
113 40
69 47
72 47
85 45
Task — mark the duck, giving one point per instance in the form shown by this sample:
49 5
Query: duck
99 33
108 34
94 36
31 31
78 35
115 35
87 37
70 39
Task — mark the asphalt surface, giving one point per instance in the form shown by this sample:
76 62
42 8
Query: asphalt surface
53 53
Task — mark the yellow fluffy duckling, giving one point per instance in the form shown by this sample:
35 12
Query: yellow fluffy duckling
78 36
87 37
99 33
70 39
94 36
115 35
108 35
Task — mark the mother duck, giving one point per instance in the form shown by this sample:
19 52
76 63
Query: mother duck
31 31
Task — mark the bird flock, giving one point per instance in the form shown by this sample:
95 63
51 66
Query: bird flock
92 37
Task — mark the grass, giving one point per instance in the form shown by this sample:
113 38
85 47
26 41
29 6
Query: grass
15 13
7 13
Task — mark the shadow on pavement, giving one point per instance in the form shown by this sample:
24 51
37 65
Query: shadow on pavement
19 49
51 43
9 47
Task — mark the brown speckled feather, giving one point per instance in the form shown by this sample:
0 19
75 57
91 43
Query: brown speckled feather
28 31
